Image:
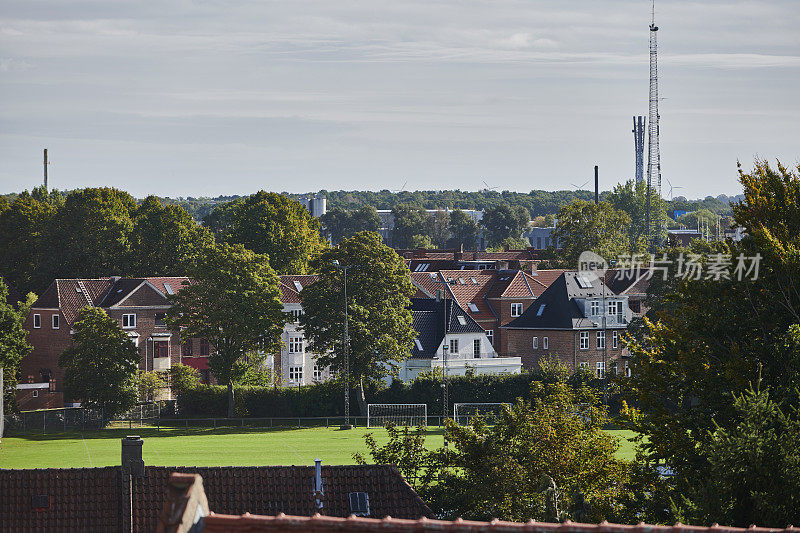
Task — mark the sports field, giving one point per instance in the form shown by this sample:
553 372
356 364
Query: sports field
208 447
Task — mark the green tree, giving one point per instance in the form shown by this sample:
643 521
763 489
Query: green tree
631 198
13 341
504 221
338 223
22 231
163 240
438 228
464 230
183 377
234 302
421 241
409 220
712 338
594 227
149 384
272 224
378 292
89 235
100 366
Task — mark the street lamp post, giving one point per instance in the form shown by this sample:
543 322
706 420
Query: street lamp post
346 347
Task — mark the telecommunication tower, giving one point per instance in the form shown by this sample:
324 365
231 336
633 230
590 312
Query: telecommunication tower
638 146
653 150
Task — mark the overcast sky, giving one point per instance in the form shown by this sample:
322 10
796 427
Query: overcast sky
206 97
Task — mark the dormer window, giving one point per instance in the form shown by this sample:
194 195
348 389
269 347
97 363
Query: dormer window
594 308
516 309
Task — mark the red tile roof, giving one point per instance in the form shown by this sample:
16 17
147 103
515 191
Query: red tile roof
289 291
547 277
217 523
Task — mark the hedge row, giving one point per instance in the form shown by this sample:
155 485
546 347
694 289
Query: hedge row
326 399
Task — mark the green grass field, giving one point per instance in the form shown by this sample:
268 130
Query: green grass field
208 447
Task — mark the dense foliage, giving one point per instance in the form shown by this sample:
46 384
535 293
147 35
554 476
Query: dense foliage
378 292
13 341
709 344
100 366
586 226
234 302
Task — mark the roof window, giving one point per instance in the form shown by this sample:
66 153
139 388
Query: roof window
419 344
298 286
541 310
472 307
168 288
462 320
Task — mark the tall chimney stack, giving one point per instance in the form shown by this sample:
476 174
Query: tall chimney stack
45 170
596 187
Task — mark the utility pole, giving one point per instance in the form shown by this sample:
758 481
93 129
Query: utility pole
346 347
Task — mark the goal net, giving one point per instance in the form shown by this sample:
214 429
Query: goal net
401 414
464 412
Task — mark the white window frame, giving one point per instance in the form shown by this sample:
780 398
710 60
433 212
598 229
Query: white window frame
536 343
615 339
584 340
490 336
600 369
612 308
594 308
295 344
55 321
317 373
627 369
516 309
127 318
584 364
37 321
545 343
600 342
35 393
476 347
296 374
453 346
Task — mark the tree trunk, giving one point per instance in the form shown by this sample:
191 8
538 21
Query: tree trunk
362 400
230 399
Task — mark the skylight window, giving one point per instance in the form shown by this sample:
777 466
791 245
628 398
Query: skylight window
461 281
432 275
472 307
462 320
583 282
298 286
541 310
419 344
474 281
169 289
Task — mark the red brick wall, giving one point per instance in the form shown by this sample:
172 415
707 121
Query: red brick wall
503 309
564 344
145 326
48 343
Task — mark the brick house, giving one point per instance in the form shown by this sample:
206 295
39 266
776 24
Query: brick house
578 319
493 298
138 304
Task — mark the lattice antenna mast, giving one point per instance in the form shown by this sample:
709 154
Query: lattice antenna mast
653 150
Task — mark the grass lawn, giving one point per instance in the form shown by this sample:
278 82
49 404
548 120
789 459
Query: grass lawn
208 447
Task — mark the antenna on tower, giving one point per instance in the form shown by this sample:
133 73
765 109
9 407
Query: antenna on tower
45 170
638 146
653 150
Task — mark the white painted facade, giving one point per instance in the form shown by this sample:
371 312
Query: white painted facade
297 365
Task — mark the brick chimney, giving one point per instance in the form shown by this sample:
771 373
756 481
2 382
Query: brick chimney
185 506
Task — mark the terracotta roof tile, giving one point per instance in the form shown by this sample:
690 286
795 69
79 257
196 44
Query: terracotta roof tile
546 277
291 285
470 286
217 523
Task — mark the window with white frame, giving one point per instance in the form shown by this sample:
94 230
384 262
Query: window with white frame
600 369
295 374
627 369
516 309
536 343
55 321
612 308
296 314
545 343
601 339
129 320
453 346
37 320
584 340
584 364
490 336
295 344
615 339
594 308
476 347
317 373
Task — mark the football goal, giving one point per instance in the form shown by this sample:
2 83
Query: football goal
401 414
463 412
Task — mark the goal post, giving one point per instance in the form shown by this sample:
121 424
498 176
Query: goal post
401 414
463 412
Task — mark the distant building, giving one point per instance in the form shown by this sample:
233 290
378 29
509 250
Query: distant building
541 238
682 237
448 338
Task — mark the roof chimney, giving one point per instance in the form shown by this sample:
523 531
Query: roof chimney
132 462
319 491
